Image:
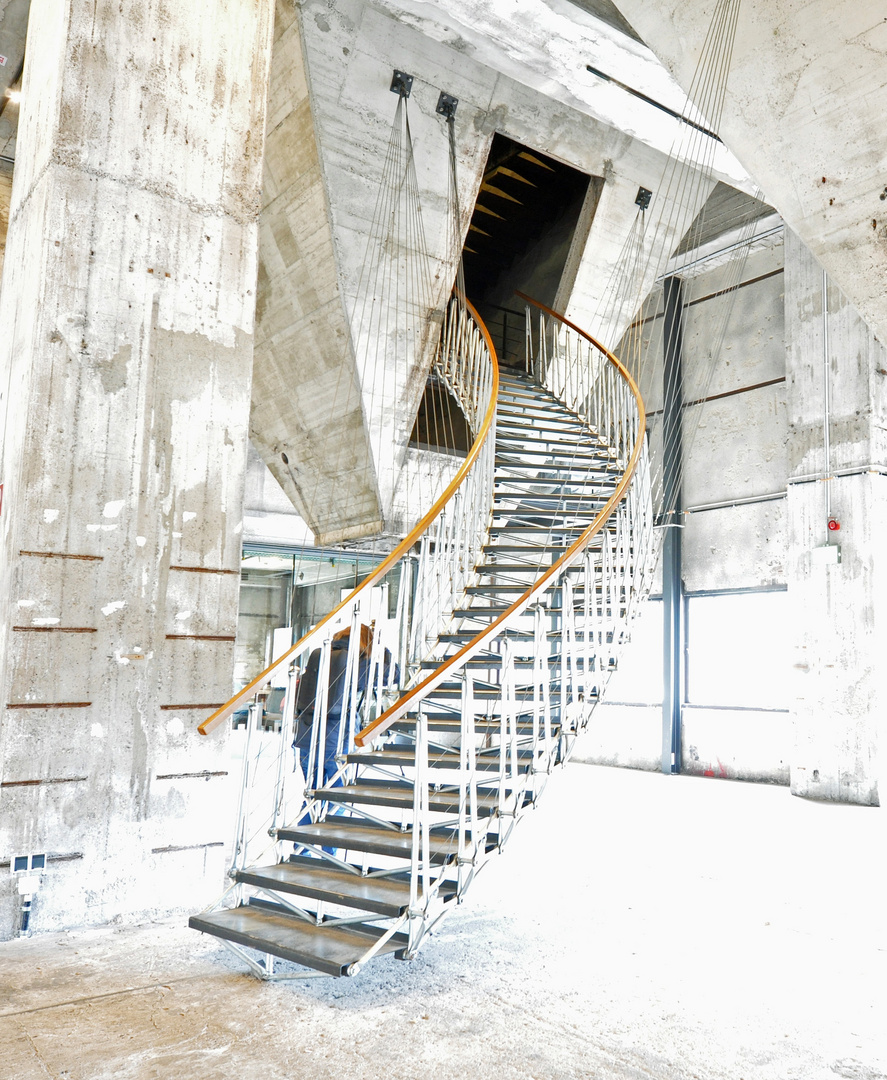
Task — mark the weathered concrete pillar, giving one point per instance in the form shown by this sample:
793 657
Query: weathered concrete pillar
837 579
127 308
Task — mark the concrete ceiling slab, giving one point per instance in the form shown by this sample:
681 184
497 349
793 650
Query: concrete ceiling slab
804 113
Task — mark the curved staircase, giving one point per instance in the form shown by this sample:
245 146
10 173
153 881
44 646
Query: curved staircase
493 702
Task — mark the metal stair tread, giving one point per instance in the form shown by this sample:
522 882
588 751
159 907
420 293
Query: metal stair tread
331 949
518 458
356 834
368 793
403 757
320 880
523 724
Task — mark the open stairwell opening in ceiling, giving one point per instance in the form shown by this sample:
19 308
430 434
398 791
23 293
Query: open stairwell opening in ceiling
527 233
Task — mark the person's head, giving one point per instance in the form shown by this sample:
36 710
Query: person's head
366 637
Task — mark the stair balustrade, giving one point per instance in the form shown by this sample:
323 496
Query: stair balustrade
510 619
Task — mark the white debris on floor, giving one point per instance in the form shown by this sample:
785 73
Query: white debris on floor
638 926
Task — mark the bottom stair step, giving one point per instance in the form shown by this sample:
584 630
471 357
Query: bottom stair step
331 949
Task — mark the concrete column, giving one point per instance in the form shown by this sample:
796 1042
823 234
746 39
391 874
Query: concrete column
837 579
127 312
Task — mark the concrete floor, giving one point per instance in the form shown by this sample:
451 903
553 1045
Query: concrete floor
638 926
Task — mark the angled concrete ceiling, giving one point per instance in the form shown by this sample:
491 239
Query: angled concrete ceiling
804 113
330 116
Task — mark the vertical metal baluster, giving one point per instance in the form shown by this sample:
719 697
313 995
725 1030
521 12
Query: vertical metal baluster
471 739
243 801
350 699
538 733
503 722
284 749
566 665
464 810
318 726
406 611
546 702
420 846
590 587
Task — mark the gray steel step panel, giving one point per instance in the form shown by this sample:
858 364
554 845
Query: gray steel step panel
531 411
529 415
511 422
544 519
529 502
322 881
503 588
404 757
354 834
368 794
528 430
329 949
506 442
482 726
522 568
533 549
500 588
480 694
504 480
523 727
495 662
571 531
489 660
566 456
513 458
510 635
485 612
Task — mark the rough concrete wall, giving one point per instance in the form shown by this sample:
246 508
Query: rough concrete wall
812 77
5 197
837 607
129 292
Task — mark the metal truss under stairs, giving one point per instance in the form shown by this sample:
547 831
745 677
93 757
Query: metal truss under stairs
353 875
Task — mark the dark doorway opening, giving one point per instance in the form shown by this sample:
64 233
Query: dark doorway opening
520 237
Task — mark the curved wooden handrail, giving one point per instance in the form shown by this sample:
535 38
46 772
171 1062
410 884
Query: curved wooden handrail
382 569
571 555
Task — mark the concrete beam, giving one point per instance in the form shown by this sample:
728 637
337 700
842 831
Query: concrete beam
332 410
804 114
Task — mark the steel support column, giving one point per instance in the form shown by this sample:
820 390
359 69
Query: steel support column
672 521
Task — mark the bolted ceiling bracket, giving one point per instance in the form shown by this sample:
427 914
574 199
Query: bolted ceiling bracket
401 83
446 105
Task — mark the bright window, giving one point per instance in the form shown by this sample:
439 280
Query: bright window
737 650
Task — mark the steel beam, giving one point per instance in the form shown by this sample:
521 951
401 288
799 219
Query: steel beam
673 629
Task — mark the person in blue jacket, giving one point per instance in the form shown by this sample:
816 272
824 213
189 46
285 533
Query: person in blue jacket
306 693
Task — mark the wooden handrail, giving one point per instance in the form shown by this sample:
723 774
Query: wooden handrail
571 555
382 569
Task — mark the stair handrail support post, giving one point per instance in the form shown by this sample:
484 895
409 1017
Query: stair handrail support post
243 800
287 725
